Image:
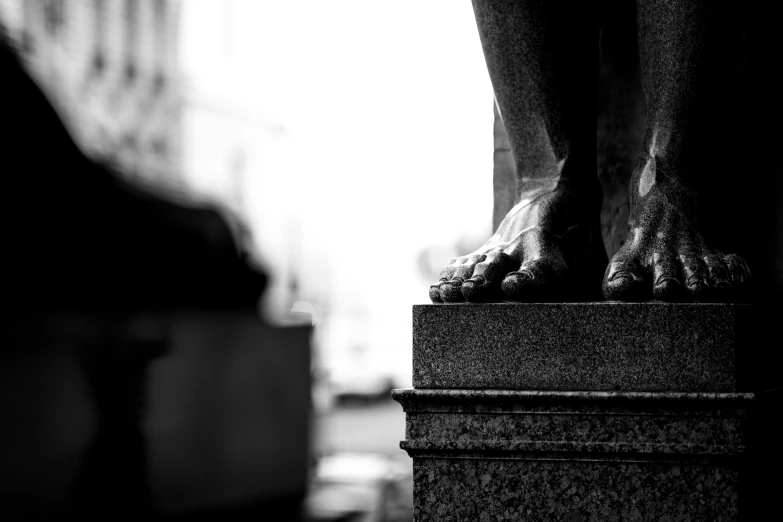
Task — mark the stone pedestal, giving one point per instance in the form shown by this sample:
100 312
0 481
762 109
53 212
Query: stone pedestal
595 411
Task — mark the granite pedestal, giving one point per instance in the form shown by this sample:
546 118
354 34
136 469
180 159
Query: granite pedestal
593 411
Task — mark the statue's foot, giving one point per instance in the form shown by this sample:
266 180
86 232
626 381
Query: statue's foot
665 258
545 249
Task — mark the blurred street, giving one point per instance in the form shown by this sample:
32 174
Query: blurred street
361 425
362 475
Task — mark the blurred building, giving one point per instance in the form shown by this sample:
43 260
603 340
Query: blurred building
148 398
162 90
114 71
110 67
177 94
231 149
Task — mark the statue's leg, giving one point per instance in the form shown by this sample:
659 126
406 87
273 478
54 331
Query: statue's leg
665 256
542 60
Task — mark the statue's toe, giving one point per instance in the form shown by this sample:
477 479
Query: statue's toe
666 280
445 276
739 273
484 285
435 292
451 291
537 280
625 280
695 276
518 285
718 275
449 287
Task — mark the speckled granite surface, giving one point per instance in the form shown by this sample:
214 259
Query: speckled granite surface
614 402
574 425
451 490
600 455
626 429
594 411
591 346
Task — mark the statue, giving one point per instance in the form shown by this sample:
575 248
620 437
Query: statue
549 247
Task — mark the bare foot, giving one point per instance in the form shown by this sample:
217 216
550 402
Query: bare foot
547 248
665 257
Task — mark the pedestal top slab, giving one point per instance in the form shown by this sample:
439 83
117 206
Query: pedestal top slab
595 346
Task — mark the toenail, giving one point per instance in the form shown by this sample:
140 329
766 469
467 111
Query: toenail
524 272
450 293
697 287
621 275
667 286
457 281
668 289
694 280
722 284
664 279
696 283
512 276
476 280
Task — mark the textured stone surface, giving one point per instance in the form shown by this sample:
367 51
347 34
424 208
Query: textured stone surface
616 429
572 425
449 490
504 173
549 455
611 411
595 346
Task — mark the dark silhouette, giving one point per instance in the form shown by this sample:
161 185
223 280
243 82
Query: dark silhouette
79 237
79 242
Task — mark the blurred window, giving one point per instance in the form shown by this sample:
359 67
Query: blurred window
159 146
236 162
99 59
131 38
54 16
159 7
160 83
28 22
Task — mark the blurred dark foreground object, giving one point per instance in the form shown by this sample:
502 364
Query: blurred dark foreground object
97 422
76 236
136 379
360 487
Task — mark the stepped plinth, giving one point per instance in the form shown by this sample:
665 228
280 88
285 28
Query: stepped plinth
593 411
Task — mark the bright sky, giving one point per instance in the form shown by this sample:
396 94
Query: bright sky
389 104
387 108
